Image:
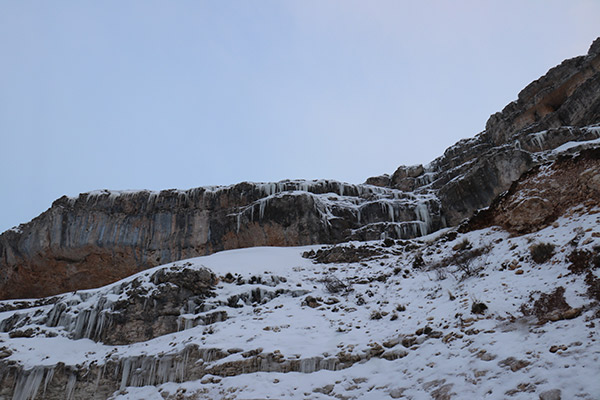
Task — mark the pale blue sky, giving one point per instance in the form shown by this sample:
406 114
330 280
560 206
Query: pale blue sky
180 94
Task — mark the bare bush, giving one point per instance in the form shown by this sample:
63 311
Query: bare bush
541 252
464 261
334 285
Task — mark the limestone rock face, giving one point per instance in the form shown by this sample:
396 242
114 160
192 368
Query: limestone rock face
560 107
544 193
485 180
101 237
568 95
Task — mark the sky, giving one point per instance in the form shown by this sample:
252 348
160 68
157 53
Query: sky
180 94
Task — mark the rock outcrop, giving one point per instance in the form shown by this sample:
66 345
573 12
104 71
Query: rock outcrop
560 107
545 193
100 237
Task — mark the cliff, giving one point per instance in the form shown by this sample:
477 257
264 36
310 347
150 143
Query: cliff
103 236
511 293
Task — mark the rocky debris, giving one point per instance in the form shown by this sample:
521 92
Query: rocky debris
312 302
344 254
484 355
394 354
555 348
513 364
441 389
550 307
327 389
397 393
554 394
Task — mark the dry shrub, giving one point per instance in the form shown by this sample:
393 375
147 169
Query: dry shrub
541 252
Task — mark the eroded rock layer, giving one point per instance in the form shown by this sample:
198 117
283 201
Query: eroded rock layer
103 236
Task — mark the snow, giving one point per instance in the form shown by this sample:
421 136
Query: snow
570 145
468 355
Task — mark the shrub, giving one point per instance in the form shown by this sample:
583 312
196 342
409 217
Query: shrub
541 252
334 285
464 245
580 261
418 261
465 262
478 308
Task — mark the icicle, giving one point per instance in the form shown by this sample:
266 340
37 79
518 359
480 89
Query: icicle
539 138
594 129
49 376
391 211
262 205
125 373
423 215
70 386
238 222
28 384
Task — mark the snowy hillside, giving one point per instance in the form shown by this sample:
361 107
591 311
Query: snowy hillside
448 315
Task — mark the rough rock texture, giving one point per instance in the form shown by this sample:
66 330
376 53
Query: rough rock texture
132 312
548 113
101 237
568 95
545 193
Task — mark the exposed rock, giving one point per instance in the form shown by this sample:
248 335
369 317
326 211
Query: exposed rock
568 95
485 180
554 394
327 389
394 354
145 313
550 307
514 364
544 193
381 181
344 254
397 393
101 237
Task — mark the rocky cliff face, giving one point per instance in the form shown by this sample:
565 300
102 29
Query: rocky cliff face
101 237
560 107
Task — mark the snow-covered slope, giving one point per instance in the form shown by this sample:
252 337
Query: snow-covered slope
446 316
